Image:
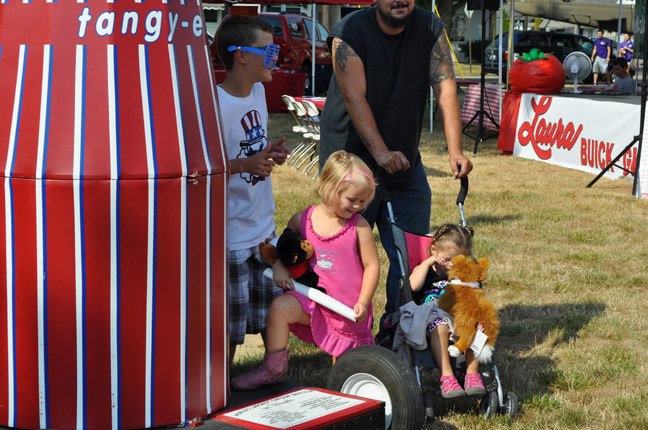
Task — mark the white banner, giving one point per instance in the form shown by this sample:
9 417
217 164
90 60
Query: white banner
642 183
578 133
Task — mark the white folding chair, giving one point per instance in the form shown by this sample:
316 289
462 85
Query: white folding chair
301 128
302 113
312 149
313 116
313 113
288 101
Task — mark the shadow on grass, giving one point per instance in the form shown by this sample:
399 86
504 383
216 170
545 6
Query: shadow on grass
307 365
436 173
523 366
491 220
527 337
476 221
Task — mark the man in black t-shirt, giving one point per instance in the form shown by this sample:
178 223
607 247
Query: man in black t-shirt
384 59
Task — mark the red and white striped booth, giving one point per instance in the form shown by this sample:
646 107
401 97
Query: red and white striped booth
114 210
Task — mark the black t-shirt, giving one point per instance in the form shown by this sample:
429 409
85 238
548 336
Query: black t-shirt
397 69
432 288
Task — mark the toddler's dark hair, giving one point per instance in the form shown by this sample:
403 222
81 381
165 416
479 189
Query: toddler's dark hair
453 235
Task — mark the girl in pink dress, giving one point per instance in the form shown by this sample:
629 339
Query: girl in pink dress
346 260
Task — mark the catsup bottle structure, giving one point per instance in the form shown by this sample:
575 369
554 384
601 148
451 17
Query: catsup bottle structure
113 245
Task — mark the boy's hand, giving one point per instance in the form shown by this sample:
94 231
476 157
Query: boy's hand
281 276
280 148
361 312
260 164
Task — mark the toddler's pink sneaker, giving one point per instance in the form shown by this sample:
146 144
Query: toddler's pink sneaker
450 388
474 385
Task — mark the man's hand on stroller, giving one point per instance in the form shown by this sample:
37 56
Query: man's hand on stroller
460 166
361 311
282 276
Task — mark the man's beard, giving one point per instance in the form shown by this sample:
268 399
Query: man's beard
394 22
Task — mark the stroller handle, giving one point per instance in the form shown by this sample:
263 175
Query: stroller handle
461 197
463 191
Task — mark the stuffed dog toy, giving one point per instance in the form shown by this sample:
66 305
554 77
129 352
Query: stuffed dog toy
294 252
464 299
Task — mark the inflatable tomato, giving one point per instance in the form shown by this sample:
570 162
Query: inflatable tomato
538 73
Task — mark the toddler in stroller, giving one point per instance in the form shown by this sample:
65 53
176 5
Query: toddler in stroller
376 372
428 281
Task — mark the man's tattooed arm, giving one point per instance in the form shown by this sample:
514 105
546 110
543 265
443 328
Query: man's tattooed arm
342 52
441 68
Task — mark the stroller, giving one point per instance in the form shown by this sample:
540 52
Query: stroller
375 371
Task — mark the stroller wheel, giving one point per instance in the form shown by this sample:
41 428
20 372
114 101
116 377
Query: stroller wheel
488 405
377 373
510 404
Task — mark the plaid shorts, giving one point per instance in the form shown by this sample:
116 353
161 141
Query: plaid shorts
250 294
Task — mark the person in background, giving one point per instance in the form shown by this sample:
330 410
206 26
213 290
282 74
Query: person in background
626 50
624 83
600 55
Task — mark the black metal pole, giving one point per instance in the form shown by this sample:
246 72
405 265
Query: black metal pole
482 83
644 88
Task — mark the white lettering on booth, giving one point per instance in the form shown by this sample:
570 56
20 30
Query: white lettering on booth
172 26
153 26
197 26
131 17
129 23
105 24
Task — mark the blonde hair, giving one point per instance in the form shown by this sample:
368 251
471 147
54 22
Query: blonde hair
340 171
453 235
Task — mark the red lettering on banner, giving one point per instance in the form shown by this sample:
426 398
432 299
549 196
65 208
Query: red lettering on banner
609 147
591 151
630 161
596 154
543 133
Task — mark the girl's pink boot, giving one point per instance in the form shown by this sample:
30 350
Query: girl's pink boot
271 370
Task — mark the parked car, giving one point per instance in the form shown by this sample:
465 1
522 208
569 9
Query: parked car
293 34
560 44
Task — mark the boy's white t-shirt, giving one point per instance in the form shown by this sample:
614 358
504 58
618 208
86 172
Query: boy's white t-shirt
251 205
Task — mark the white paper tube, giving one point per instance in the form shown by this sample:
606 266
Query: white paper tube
319 297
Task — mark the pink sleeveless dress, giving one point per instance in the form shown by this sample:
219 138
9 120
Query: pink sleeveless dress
340 270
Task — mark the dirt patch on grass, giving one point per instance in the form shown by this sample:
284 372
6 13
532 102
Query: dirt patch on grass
253 346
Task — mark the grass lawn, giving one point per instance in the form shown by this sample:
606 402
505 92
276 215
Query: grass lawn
568 275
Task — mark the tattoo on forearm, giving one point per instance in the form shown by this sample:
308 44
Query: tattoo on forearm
342 53
441 68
